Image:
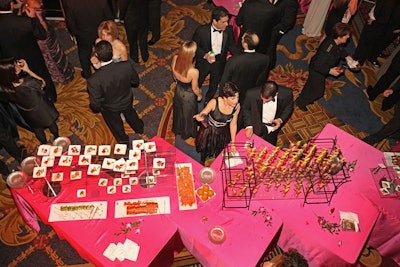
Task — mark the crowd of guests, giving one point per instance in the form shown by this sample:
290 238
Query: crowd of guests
239 94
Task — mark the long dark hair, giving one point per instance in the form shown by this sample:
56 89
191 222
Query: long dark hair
7 74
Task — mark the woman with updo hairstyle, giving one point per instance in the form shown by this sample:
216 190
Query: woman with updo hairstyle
108 31
218 123
187 91
25 89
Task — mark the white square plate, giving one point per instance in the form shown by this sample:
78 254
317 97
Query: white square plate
120 149
90 150
74 150
104 150
47 161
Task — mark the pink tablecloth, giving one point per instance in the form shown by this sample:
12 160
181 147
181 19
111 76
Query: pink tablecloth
300 226
246 235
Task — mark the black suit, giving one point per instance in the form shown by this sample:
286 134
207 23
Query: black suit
111 93
19 36
371 34
392 127
384 83
252 111
202 36
154 19
259 16
246 70
289 10
83 18
135 15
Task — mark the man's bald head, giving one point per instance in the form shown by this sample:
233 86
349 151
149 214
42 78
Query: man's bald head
250 40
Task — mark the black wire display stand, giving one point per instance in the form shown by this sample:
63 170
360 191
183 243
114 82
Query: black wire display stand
234 176
325 178
313 171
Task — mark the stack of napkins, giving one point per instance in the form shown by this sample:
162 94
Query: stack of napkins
232 159
349 221
129 250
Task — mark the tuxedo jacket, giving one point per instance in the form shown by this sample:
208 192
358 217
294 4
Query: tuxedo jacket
202 37
84 16
110 87
19 36
289 10
246 70
259 16
135 13
252 108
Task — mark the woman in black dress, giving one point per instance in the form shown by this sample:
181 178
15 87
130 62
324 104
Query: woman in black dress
24 88
218 122
187 91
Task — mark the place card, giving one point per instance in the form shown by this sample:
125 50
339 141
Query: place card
90 150
104 150
47 161
43 150
138 144
120 149
56 151
135 154
74 150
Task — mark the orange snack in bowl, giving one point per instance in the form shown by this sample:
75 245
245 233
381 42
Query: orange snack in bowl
205 192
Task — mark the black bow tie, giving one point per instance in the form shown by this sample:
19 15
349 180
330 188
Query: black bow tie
215 30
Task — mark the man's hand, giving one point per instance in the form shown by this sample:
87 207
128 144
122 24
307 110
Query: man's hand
277 122
210 58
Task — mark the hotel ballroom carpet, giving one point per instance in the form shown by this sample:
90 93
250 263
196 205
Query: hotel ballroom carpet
21 246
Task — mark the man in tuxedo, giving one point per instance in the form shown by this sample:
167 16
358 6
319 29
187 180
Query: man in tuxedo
154 20
266 109
19 36
83 19
392 128
111 94
249 69
214 40
373 31
384 82
289 10
134 14
259 16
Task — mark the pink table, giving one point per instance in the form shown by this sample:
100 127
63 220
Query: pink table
300 226
385 235
158 238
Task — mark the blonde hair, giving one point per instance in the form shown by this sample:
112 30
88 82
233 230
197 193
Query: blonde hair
110 27
185 58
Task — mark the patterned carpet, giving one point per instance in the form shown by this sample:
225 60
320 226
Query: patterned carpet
20 246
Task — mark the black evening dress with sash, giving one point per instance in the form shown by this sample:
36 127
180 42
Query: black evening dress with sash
212 139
